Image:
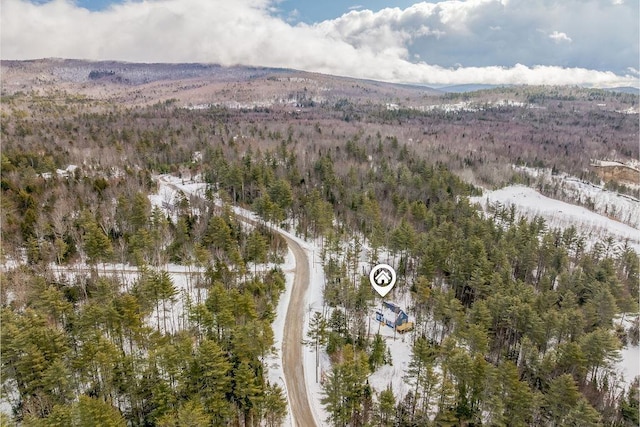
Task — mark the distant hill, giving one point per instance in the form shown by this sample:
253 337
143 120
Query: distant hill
467 88
245 87
625 89
464 88
199 84
80 71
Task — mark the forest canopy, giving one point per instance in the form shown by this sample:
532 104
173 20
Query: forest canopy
515 321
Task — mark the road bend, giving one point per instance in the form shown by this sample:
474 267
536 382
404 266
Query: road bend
292 355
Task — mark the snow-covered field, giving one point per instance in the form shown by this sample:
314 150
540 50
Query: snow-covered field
622 207
558 214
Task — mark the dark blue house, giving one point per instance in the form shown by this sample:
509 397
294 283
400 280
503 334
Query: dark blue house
391 315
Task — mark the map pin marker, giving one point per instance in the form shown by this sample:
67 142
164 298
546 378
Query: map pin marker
382 278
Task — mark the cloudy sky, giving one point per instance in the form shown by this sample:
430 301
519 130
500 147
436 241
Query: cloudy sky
592 42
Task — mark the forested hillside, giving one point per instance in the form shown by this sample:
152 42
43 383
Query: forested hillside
516 323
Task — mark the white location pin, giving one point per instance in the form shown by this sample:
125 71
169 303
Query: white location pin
382 278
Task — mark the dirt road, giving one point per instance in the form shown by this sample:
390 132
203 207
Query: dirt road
292 358
292 363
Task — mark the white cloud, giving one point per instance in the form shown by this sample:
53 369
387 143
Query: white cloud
386 45
559 37
491 32
293 15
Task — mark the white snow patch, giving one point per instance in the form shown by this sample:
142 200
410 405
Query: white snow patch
273 362
173 315
610 163
10 397
67 171
474 106
10 263
63 173
400 349
629 364
560 214
314 302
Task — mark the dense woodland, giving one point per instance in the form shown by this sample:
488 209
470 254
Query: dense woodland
514 319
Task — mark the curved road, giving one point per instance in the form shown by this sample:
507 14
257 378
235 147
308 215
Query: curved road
292 358
292 362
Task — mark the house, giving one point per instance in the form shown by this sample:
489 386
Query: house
391 315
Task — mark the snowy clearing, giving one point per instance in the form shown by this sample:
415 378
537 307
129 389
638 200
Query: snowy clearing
558 214
400 348
622 207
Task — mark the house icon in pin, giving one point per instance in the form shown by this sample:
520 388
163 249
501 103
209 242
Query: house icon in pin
383 278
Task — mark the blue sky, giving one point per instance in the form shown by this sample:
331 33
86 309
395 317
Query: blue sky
316 11
590 42
294 10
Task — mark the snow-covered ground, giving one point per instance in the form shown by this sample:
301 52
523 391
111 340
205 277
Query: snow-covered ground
628 366
530 203
63 173
399 346
314 302
622 207
527 201
631 164
275 372
173 315
473 106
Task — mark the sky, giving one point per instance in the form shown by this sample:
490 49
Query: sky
584 42
293 11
